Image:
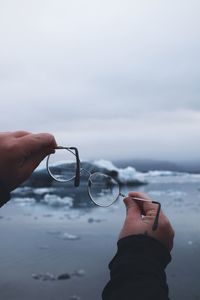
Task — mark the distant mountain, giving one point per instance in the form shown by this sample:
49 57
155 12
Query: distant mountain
145 165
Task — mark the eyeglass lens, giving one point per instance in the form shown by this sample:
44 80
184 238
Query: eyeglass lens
62 165
103 189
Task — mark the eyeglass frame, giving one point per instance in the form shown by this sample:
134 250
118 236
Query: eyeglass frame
77 172
77 182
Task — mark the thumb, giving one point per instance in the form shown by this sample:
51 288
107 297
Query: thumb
132 209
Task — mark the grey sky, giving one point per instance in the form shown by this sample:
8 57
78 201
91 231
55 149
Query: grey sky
118 79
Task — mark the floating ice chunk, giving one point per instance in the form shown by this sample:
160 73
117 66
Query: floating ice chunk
42 191
74 214
70 237
157 173
63 276
92 220
44 277
176 194
79 273
47 215
56 201
160 173
22 190
157 193
25 201
171 193
75 297
178 200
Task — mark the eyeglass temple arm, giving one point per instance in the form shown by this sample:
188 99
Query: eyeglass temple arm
77 176
155 224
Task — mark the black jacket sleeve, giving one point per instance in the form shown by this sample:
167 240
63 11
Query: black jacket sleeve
137 270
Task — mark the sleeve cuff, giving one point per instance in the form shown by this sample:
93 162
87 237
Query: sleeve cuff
145 246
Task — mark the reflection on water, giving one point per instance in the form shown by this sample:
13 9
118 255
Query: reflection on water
79 196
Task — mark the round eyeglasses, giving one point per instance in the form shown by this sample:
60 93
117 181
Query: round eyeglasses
64 166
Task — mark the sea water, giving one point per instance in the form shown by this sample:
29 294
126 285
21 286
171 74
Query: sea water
53 229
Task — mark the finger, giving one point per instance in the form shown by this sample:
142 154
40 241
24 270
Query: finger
20 133
34 143
14 134
5 132
33 162
148 220
151 209
148 208
132 209
139 195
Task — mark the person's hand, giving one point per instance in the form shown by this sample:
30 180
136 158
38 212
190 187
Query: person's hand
20 153
140 217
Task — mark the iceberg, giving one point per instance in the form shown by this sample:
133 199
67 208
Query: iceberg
40 179
125 176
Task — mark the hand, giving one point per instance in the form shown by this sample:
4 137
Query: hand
140 217
20 153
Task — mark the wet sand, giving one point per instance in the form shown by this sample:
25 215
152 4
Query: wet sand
40 240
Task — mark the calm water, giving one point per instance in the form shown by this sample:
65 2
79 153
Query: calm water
47 236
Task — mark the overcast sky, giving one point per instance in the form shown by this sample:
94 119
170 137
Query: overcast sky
118 79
